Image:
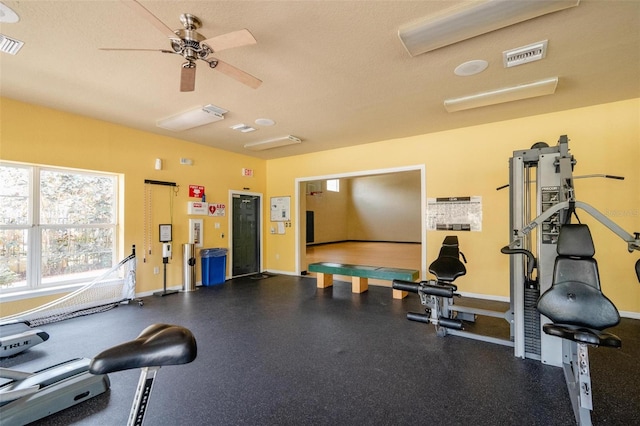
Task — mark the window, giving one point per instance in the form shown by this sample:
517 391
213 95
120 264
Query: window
57 226
333 185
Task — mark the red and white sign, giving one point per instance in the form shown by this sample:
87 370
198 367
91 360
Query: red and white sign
196 191
247 172
196 207
216 209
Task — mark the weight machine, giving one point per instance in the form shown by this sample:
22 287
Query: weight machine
562 311
548 196
557 313
554 199
438 297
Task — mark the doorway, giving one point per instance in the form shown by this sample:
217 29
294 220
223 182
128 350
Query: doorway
301 207
246 234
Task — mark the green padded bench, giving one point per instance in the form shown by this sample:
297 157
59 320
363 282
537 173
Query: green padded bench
360 275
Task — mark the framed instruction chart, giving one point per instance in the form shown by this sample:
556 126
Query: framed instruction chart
280 209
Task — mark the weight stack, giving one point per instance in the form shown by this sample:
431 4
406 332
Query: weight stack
531 320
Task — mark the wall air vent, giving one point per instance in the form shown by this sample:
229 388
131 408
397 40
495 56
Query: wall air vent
10 45
525 54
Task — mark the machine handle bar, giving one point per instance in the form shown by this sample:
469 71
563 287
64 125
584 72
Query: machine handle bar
532 259
424 287
405 285
451 323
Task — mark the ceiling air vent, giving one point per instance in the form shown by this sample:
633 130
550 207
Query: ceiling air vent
10 45
523 55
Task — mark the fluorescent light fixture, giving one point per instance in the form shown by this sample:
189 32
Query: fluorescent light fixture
473 19
273 143
192 118
507 94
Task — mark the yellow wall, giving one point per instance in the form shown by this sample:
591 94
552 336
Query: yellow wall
473 161
38 135
466 161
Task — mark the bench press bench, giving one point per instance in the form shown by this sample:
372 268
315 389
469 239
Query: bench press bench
360 275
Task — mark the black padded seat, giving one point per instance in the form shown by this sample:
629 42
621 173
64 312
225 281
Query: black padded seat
583 335
575 303
158 345
447 267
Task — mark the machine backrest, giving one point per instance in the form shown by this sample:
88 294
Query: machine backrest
448 266
575 297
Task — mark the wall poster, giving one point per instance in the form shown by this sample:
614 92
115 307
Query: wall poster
454 214
280 209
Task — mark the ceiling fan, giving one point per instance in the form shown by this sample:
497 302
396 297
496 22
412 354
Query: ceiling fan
192 46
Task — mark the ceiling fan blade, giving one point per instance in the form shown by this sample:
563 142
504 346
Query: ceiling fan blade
137 50
235 73
144 13
188 77
230 40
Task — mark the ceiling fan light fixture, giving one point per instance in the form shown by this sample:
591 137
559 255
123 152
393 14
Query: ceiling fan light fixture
506 94
273 143
193 118
8 15
471 20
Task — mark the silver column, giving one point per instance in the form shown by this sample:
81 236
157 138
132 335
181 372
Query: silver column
188 267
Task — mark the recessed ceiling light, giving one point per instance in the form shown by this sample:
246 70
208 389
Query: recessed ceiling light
265 122
471 68
7 15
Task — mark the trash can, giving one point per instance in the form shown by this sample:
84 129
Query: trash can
214 266
188 267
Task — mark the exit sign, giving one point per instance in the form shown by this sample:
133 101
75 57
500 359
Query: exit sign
247 172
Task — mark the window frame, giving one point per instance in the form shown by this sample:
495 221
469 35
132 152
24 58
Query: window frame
333 185
35 230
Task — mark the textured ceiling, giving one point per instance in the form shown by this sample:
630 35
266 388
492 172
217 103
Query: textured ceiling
334 73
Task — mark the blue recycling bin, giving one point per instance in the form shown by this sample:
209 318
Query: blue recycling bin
213 266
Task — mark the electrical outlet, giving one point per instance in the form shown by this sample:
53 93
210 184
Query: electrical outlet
156 270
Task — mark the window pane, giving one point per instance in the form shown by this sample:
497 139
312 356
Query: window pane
68 198
14 195
13 258
75 253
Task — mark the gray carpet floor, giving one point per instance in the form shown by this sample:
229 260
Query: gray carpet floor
278 351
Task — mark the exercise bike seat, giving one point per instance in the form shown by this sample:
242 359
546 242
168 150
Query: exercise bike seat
447 267
156 346
575 303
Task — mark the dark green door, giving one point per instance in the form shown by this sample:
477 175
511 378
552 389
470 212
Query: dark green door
246 235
